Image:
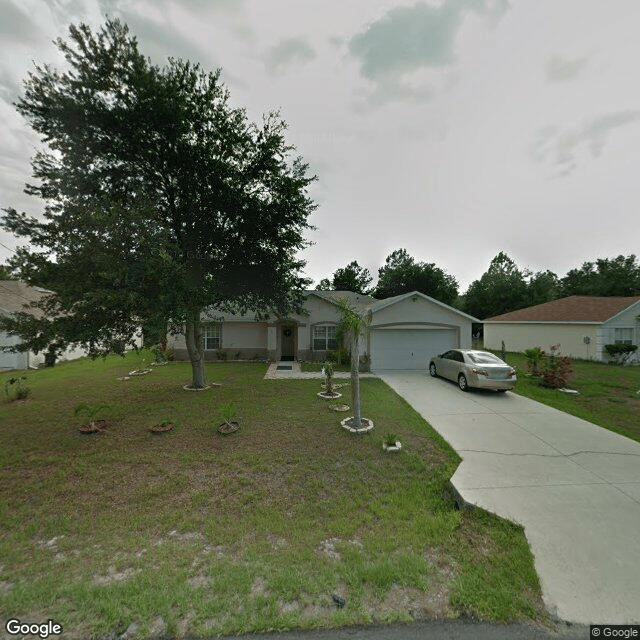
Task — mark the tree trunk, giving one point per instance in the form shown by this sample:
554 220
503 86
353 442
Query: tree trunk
355 379
195 348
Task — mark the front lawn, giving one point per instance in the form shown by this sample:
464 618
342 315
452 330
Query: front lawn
195 532
609 395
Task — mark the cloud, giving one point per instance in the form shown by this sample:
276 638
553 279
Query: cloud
288 52
407 39
562 69
16 25
561 148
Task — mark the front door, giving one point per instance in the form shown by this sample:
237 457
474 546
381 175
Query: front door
288 350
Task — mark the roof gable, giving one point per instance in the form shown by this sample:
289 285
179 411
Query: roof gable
381 304
15 297
572 309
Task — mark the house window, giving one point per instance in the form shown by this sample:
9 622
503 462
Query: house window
212 336
623 335
324 338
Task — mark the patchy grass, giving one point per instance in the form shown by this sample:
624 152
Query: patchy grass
195 532
609 394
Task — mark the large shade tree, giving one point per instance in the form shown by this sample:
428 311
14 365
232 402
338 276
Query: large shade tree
402 274
353 277
161 199
505 287
502 288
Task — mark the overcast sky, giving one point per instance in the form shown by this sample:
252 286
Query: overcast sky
454 129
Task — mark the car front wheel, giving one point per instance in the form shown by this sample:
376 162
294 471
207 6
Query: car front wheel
432 370
462 382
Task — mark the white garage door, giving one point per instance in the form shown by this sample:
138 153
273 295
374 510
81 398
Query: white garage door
409 349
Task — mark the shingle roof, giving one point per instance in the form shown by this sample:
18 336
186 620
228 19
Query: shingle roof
571 309
14 295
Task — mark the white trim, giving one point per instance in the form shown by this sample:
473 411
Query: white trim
383 304
589 322
637 302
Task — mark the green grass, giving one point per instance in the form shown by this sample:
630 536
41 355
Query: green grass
317 366
247 532
609 395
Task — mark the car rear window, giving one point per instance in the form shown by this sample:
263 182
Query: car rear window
484 358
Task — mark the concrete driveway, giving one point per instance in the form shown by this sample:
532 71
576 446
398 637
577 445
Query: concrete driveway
575 488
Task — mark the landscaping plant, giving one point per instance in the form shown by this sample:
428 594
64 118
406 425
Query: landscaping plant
227 412
620 353
534 358
15 388
92 411
556 369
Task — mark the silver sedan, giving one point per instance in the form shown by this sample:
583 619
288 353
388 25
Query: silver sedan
471 368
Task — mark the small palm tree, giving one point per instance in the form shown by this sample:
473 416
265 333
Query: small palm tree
353 325
328 374
92 411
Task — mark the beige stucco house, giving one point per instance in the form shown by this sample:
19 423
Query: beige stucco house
15 296
404 331
581 325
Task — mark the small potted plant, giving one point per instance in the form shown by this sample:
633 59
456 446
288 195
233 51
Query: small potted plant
92 411
391 442
227 412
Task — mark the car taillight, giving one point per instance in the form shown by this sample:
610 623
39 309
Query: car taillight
480 372
511 373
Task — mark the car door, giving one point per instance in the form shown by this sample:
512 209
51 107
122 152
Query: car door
457 365
446 364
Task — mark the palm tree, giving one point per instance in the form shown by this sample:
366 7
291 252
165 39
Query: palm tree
353 325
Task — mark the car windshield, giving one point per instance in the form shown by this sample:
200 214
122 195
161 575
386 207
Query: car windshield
480 357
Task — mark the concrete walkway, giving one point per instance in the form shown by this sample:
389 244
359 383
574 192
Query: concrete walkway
574 486
278 370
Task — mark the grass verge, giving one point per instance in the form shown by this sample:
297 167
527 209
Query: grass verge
195 532
609 395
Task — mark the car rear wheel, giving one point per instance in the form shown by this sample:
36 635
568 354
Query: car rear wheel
432 370
462 382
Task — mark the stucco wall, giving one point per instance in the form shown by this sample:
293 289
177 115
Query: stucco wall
518 336
628 319
423 313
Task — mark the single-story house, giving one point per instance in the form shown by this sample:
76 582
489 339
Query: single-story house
404 331
15 296
581 325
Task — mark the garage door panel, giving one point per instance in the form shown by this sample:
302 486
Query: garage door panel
409 349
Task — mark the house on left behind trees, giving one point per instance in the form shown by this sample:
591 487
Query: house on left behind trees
404 333
15 297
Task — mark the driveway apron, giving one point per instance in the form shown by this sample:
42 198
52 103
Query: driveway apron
574 486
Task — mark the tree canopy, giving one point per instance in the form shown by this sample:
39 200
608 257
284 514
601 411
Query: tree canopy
605 277
402 274
161 199
353 277
504 287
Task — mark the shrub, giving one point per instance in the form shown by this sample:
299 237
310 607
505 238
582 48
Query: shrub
16 389
556 370
620 353
534 358
340 356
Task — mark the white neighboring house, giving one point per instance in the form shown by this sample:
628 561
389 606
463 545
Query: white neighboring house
406 331
581 325
14 297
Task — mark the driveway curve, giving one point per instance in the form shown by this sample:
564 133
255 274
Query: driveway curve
574 486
